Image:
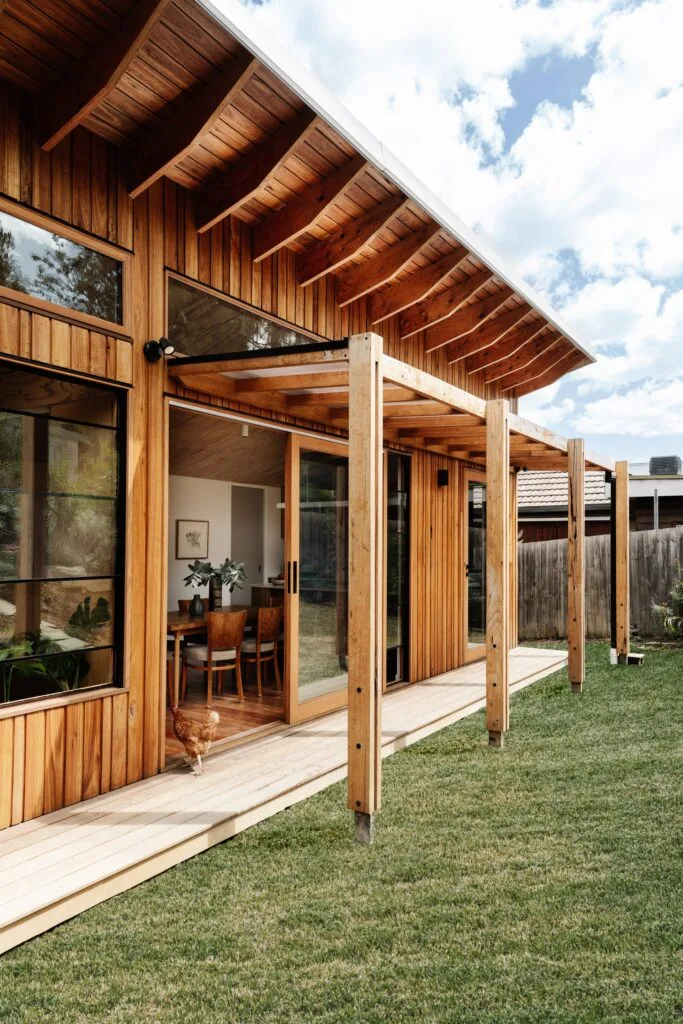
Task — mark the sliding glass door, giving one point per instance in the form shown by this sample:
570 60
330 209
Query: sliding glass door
316 576
474 605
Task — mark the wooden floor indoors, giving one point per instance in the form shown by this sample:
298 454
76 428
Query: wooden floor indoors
56 866
237 718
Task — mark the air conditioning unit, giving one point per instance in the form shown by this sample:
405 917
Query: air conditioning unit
665 465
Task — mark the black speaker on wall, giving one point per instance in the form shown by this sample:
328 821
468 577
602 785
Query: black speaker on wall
442 477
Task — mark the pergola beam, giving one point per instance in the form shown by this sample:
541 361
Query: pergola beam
487 334
366 568
305 209
432 387
403 294
497 569
250 173
375 272
196 112
67 107
466 320
576 565
332 253
438 307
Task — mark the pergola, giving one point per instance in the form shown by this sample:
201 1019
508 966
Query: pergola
352 385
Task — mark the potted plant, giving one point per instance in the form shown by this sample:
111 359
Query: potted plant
228 574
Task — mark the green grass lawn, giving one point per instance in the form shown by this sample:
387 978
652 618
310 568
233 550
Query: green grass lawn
540 883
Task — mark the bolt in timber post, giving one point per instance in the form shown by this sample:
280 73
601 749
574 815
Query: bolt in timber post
366 582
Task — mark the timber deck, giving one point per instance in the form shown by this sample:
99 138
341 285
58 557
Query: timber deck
56 866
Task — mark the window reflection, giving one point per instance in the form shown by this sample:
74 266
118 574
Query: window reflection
202 324
59 535
39 263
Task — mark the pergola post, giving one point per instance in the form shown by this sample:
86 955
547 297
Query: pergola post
576 565
622 566
366 571
497 568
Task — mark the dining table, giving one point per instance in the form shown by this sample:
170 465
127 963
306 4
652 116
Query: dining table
181 624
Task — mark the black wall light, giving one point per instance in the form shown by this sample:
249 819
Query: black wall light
154 350
442 478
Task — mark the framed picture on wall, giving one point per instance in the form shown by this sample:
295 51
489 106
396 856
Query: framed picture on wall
191 538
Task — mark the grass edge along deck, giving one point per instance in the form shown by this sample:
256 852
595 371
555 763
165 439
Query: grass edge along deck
526 667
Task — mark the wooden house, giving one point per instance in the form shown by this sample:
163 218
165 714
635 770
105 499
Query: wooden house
169 179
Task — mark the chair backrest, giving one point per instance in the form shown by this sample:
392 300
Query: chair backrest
185 602
225 630
269 620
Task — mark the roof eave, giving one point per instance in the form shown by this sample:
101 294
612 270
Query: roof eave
243 27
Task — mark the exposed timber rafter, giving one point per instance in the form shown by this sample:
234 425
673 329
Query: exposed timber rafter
196 112
332 253
68 108
542 358
376 272
570 361
403 294
441 306
230 191
466 320
304 210
487 333
545 344
506 347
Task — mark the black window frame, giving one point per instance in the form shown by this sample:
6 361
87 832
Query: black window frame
118 577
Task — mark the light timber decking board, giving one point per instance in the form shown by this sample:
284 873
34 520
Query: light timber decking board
58 865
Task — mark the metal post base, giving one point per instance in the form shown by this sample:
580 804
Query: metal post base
363 827
577 687
496 739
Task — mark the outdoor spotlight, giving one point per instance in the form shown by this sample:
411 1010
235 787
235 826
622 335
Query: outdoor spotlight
154 350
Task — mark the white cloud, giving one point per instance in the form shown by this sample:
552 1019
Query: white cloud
647 411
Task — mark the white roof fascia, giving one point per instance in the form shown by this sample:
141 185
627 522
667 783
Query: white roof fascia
242 25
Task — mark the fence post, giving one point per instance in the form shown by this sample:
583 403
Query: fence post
576 565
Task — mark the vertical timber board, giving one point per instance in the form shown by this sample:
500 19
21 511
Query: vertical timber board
576 563
137 523
497 564
366 607
622 562
513 566
155 606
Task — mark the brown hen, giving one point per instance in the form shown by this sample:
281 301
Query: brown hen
196 737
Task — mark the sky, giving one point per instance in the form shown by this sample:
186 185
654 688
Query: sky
555 129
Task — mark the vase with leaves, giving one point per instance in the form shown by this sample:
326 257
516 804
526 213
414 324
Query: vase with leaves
228 574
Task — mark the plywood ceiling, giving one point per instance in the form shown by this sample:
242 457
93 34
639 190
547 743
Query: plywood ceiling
214 449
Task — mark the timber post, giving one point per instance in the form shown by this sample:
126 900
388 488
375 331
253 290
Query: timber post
576 565
497 568
621 567
366 569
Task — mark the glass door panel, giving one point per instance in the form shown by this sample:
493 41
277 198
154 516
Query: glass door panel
397 473
475 568
316 608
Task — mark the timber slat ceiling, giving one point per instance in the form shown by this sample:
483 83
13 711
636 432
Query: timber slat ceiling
171 87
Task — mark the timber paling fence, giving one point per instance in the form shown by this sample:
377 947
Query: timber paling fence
655 556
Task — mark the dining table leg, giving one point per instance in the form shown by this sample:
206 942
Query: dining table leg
176 668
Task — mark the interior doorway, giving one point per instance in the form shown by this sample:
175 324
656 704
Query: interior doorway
474 605
246 520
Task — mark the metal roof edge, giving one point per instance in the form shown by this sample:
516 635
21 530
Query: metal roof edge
241 24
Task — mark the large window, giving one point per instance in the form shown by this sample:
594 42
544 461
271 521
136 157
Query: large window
38 262
60 535
201 323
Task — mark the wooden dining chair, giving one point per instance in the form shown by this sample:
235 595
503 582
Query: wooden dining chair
221 653
263 648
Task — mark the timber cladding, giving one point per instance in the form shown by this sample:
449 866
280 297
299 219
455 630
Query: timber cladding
54 756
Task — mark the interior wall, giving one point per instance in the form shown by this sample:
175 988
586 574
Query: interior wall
197 498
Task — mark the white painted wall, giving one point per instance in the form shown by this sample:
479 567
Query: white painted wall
196 498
